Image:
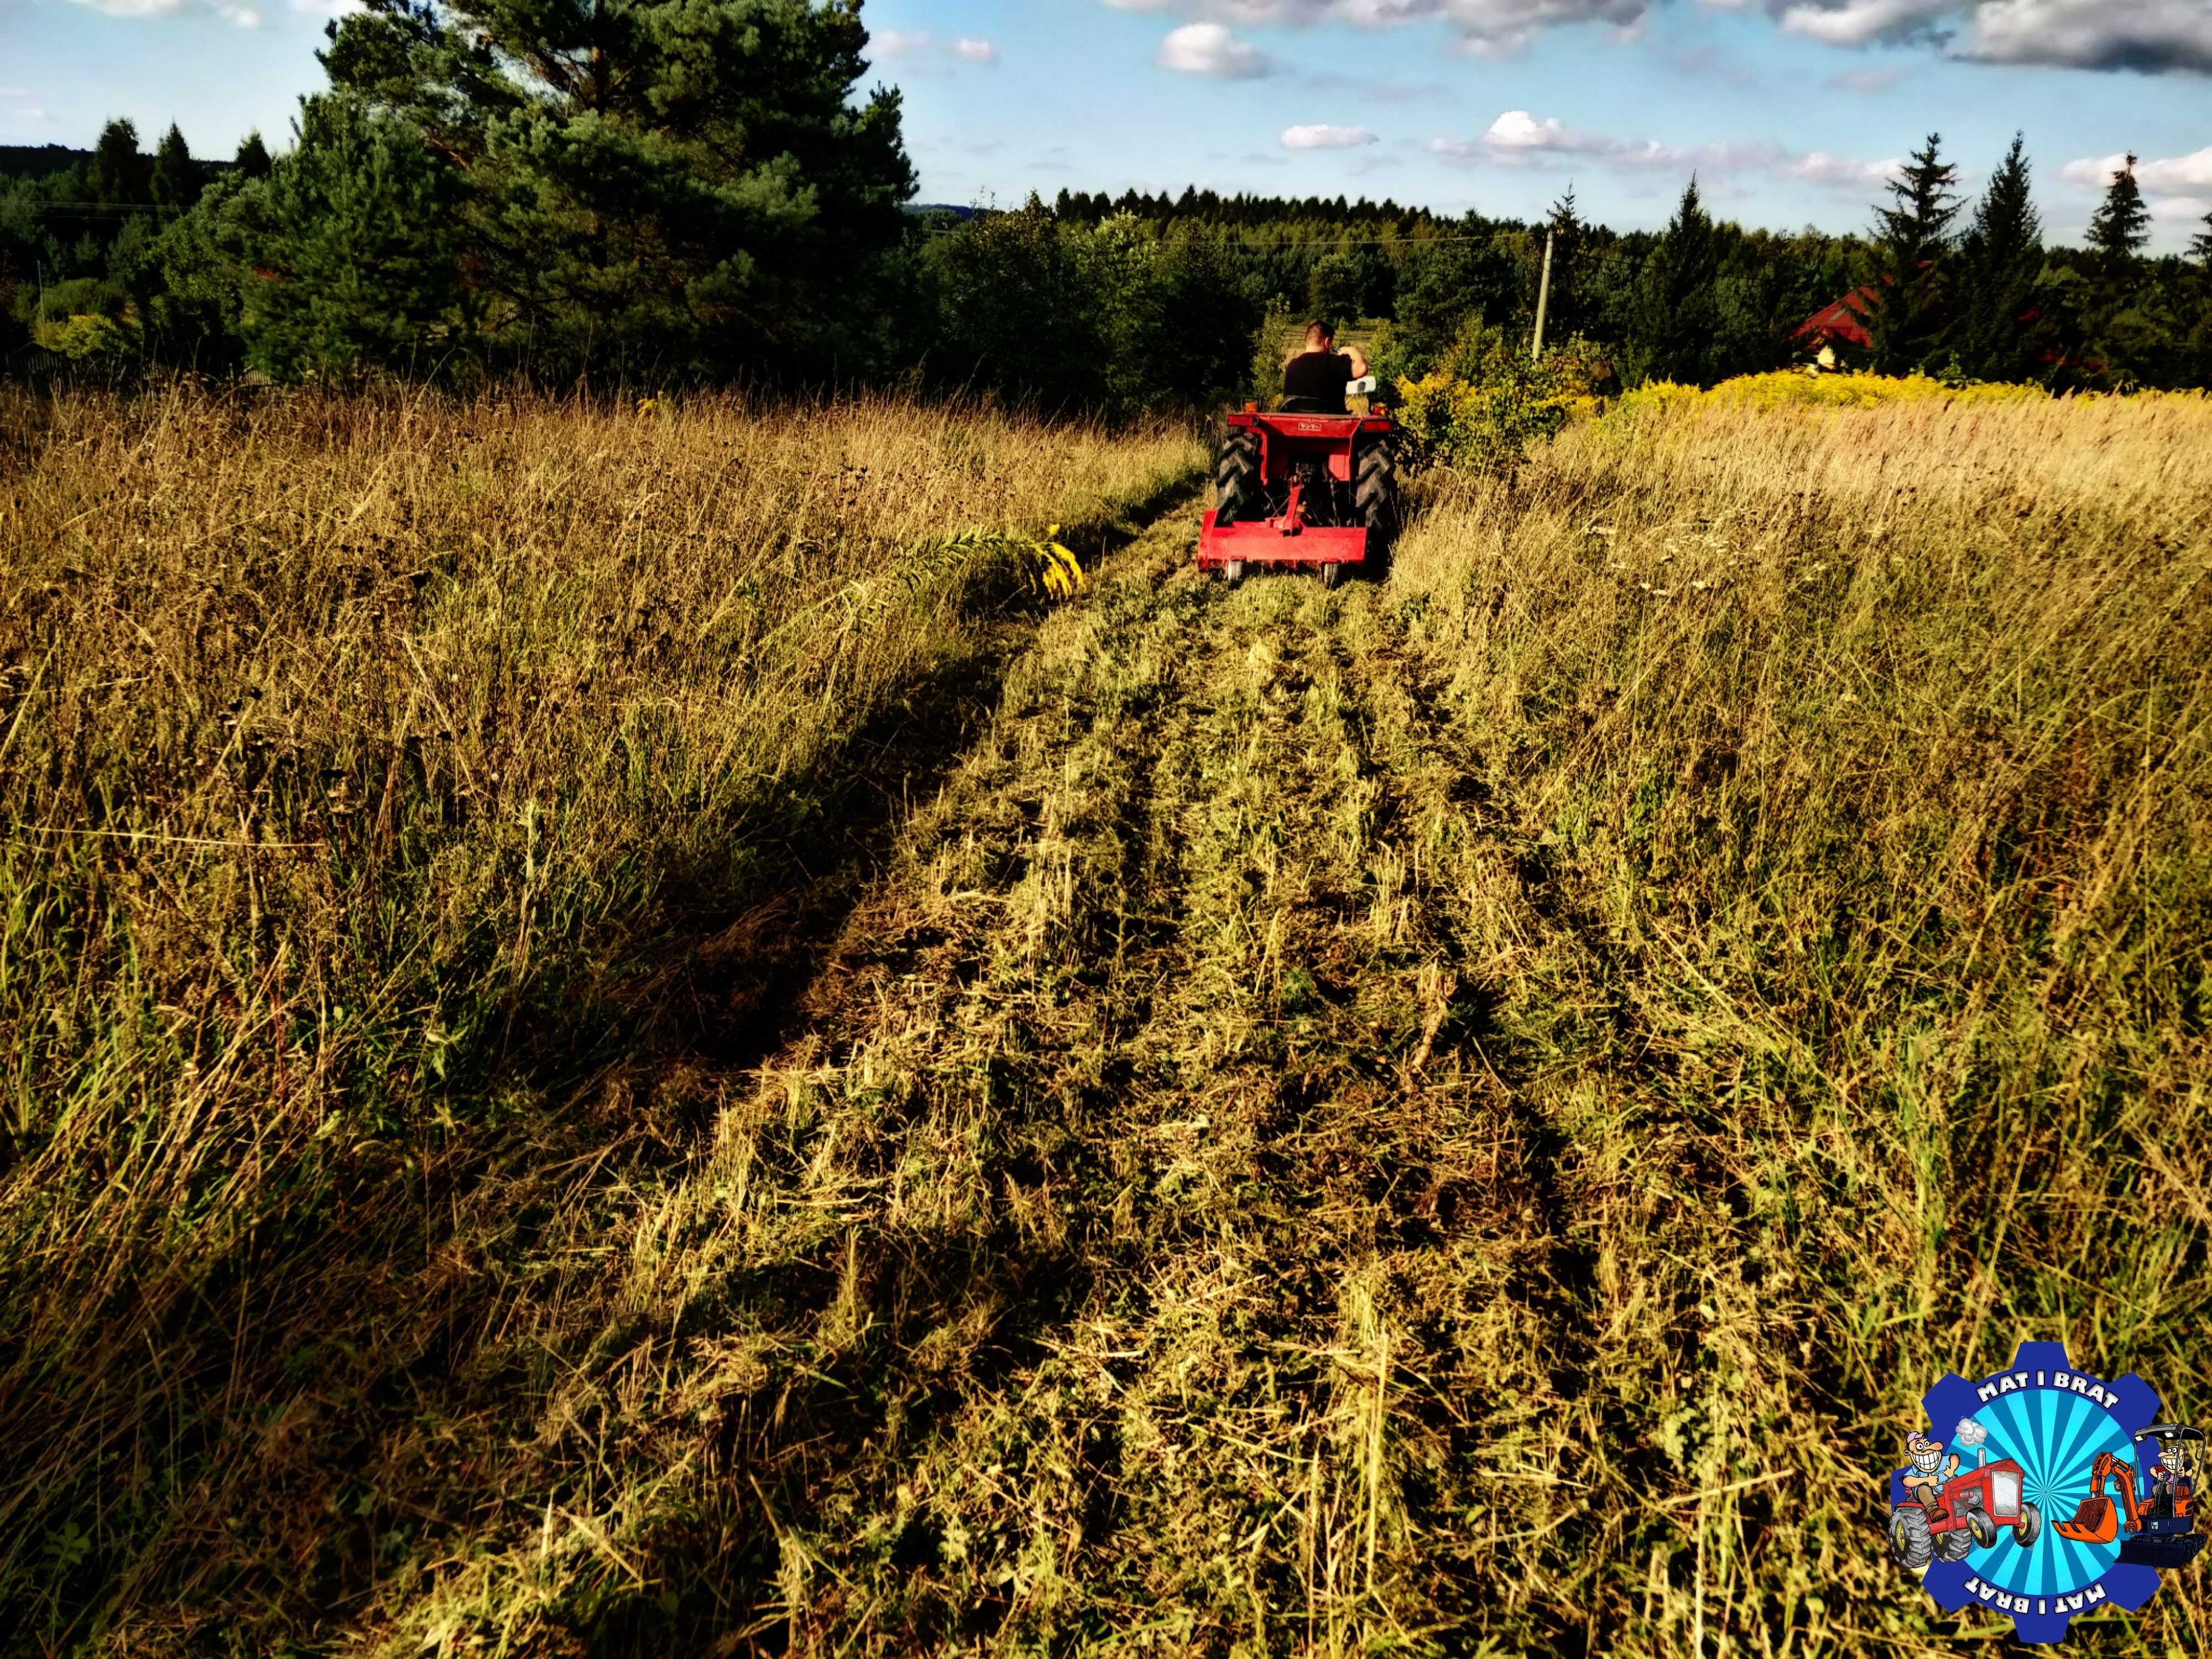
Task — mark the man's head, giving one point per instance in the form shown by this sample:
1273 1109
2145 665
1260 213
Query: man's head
1320 336
1926 1453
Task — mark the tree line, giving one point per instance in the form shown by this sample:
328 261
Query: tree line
705 192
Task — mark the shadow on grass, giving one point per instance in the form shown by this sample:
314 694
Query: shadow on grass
385 1367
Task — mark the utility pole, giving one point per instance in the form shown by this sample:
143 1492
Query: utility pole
1544 296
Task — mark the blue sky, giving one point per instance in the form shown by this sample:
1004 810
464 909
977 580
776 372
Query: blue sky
1787 110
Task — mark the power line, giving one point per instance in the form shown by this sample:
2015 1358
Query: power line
110 208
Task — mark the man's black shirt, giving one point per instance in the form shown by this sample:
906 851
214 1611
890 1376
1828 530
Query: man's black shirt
1314 384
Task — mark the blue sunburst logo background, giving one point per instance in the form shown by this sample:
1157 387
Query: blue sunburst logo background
2054 1438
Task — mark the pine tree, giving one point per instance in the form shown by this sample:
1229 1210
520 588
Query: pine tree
351 241
1914 236
1999 336
2122 225
176 179
669 186
1672 335
2200 247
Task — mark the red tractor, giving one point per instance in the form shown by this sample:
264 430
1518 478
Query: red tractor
1974 1505
1297 491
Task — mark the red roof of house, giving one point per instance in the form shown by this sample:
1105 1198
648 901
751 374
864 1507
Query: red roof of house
1845 320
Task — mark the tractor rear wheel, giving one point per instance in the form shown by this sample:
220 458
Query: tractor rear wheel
1910 1544
2028 1527
1239 493
1375 503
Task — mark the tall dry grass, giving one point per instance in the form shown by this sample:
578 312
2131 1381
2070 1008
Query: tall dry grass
1857 771
1452 1117
376 774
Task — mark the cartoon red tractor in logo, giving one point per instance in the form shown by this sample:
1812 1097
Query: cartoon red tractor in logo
1951 1515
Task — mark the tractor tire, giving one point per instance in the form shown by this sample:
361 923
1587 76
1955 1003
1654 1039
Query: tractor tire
2028 1527
1374 502
1983 1528
1911 1546
1953 1545
1232 574
1239 492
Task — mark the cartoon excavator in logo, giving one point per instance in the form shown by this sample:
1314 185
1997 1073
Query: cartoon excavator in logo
2160 1524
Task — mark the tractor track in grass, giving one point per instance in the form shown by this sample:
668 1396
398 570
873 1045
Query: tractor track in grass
1134 1230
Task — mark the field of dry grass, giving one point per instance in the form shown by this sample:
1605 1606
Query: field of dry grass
1454 1116
384 781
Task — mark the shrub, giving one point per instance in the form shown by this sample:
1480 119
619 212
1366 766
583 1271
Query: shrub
1486 404
1788 389
87 337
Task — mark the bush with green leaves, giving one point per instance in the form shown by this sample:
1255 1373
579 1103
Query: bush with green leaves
1488 403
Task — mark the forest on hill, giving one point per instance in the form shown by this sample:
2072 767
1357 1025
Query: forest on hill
689 202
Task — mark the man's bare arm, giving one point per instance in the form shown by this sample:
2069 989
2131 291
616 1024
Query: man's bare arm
1358 363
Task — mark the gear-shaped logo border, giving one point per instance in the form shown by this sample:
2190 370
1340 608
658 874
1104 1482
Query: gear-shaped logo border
1955 1585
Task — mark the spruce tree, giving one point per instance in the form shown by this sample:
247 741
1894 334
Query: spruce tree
1913 235
1673 333
2122 343
176 179
2200 247
1568 233
2122 225
1999 336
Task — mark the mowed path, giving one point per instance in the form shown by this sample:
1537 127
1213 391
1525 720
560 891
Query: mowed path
1186 1270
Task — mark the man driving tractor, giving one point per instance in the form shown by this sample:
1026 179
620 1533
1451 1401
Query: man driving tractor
1314 379
1931 1469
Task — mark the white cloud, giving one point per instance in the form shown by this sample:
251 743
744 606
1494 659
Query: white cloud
2176 175
17 111
2183 210
917 46
136 8
2152 35
1212 49
1517 138
1486 27
1861 22
893 44
329 8
2146 35
1322 137
1820 168
1520 139
244 17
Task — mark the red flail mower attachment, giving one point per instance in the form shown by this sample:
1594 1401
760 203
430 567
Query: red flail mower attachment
1296 492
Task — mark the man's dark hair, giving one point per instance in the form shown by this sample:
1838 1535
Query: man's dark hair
1321 331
